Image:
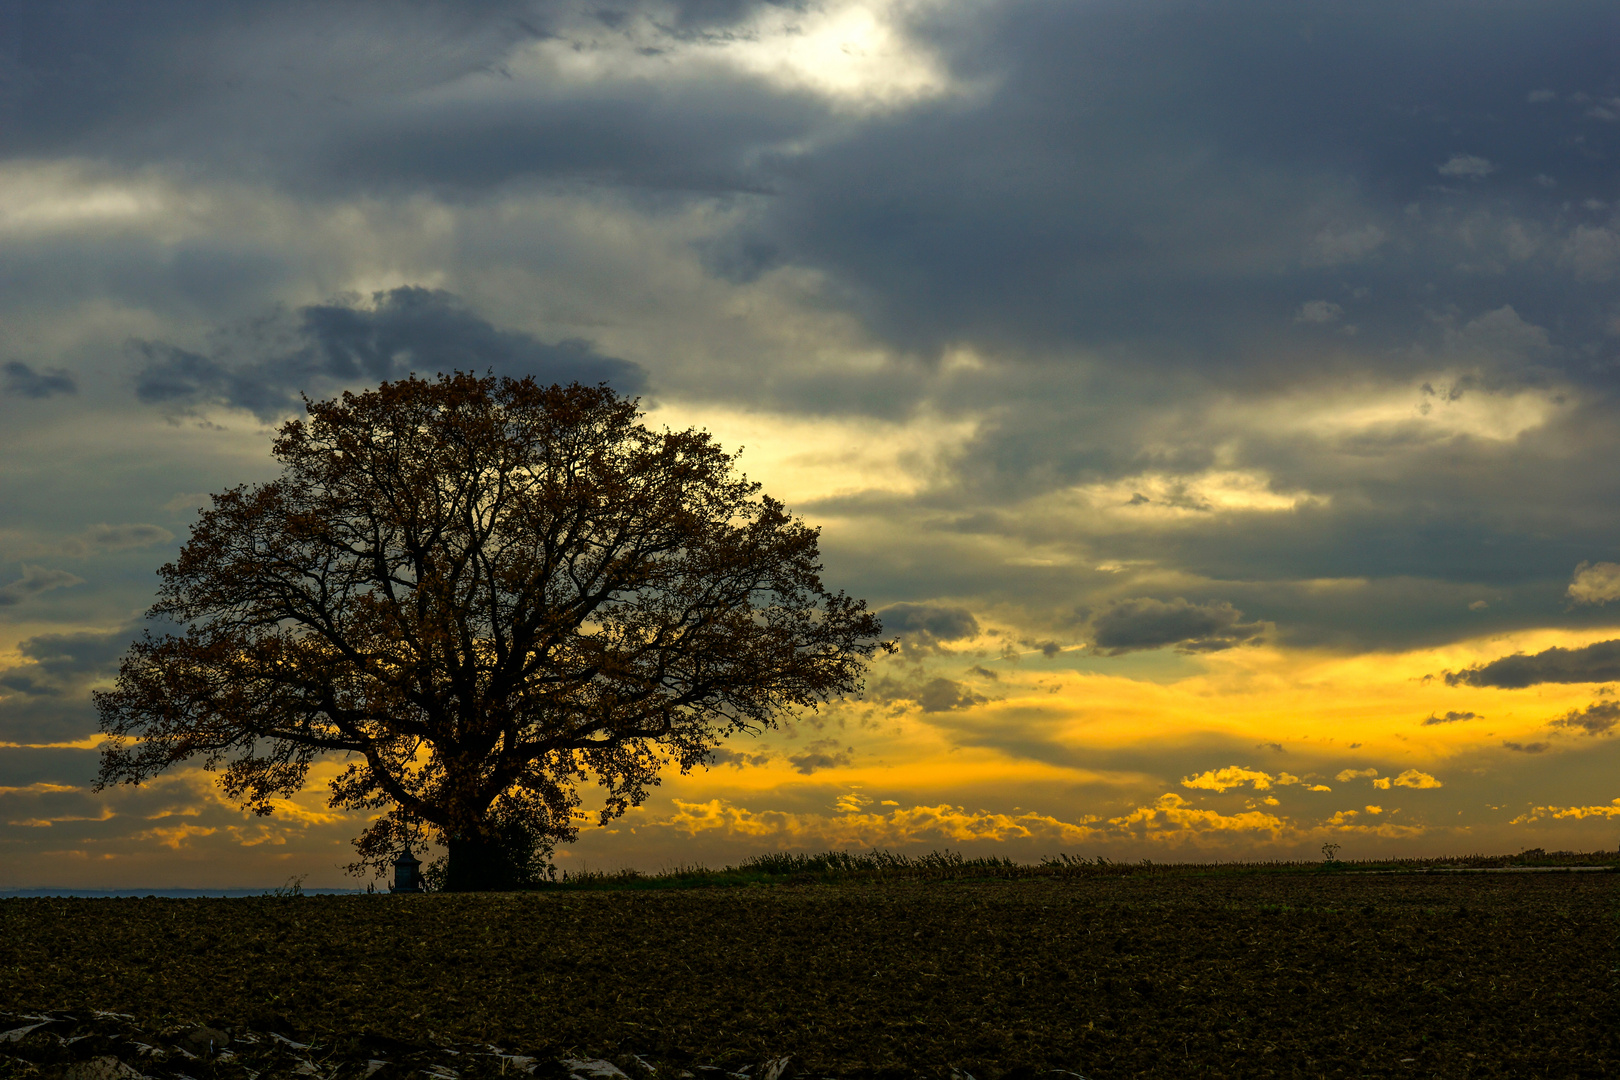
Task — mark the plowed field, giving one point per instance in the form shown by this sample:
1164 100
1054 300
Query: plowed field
1139 976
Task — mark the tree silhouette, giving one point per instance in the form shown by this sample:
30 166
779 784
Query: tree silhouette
480 592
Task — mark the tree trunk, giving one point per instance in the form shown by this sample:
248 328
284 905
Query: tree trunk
477 864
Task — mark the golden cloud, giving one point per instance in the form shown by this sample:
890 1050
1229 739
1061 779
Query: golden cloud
1230 777
1172 818
1539 813
854 825
177 837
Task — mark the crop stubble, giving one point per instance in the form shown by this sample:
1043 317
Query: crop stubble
1259 975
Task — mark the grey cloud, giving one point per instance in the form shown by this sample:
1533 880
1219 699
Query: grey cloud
1598 718
1592 252
98 539
364 96
1599 662
944 695
1127 220
1449 718
77 654
26 684
737 759
1527 748
49 701
1332 247
1595 584
21 767
1136 176
407 329
119 537
33 581
1146 623
927 624
935 695
1319 311
24 381
108 76
1466 166
705 138
822 754
40 710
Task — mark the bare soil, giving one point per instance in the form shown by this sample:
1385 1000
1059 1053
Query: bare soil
1257 975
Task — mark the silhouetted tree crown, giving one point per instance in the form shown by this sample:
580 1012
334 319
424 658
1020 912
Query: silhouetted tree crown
478 593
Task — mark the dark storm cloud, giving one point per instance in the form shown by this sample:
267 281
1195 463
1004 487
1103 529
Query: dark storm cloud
1131 211
406 330
1598 718
1146 623
365 95
702 139
1599 662
1188 177
24 381
103 75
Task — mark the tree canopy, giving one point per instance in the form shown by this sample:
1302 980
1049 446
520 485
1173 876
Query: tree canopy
479 593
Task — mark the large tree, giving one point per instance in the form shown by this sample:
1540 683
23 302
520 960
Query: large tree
480 592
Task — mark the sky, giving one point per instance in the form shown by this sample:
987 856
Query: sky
1219 402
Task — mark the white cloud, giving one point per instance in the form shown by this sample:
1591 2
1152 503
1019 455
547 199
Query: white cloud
1354 774
1412 778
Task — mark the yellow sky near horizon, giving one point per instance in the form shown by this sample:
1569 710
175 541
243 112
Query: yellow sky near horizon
1253 752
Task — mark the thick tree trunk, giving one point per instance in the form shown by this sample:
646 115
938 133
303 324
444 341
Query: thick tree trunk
477 864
